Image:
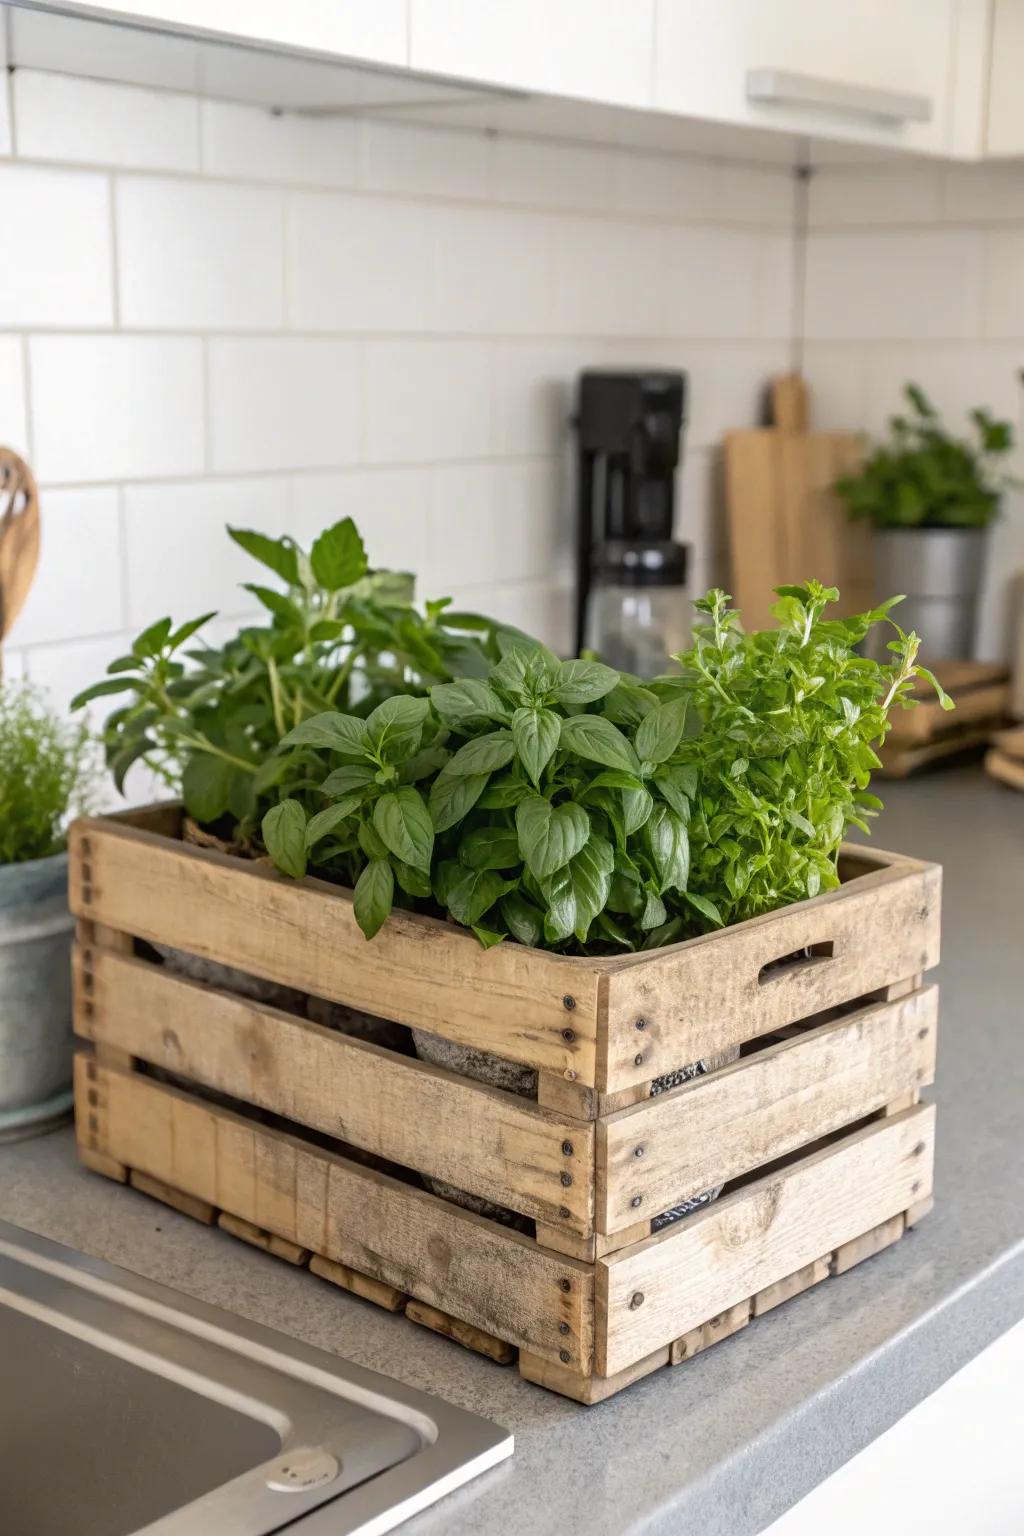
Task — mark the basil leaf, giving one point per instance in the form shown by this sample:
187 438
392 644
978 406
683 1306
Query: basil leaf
284 836
483 754
582 682
628 703
598 741
525 923
325 822
338 558
654 914
549 835
373 896
279 555
502 794
661 730
678 785
206 786
403 824
413 881
345 781
472 892
345 734
453 795
669 844
491 848
467 701
637 805
535 732
400 716
706 907
591 874
488 938
371 842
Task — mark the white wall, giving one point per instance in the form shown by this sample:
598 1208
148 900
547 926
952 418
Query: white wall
212 314
915 271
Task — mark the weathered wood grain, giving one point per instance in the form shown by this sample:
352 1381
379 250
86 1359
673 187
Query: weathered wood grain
364 1286
453 1328
177 1199
715 1128
491 1277
708 994
303 934
491 1143
660 1289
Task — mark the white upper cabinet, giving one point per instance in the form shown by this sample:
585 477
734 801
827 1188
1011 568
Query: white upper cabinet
600 50
927 76
874 71
1005 135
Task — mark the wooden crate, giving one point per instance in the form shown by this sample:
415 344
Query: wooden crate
814 1128
929 734
1005 760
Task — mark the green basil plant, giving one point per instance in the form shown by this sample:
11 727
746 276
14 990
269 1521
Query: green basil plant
566 805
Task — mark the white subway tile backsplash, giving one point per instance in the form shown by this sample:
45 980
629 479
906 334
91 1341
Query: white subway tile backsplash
65 669
381 320
872 194
433 162
257 143
178 556
282 404
542 174
664 186
77 586
427 401
116 407
194 255
491 271
607 281
835 371
357 264
992 192
534 394
726 283
62 117
1004 283
55 261
389 507
13 419
909 285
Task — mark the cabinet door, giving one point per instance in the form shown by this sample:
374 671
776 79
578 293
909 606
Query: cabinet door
1006 99
866 72
599 50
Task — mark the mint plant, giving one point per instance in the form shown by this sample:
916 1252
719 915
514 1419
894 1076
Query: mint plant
926 478
47 773
206 718
566 805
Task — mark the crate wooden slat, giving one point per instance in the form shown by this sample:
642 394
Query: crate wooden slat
715 992
434 976
493 1278
758 1235
814 1126
763 1106
495 1144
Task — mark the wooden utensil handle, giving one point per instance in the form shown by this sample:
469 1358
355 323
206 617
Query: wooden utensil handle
19 536
789 403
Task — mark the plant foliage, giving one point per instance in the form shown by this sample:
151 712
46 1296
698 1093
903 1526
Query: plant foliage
46 773
925 478
566 805
206 718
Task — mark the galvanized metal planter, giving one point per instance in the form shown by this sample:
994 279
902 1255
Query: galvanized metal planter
941 571
35 996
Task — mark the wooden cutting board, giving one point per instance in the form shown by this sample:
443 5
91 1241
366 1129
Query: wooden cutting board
785 522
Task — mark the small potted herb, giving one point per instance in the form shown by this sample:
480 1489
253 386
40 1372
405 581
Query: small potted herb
931 498
45 776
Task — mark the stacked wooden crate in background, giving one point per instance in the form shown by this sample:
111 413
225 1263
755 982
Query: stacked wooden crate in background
321 1148
930 734
1005 758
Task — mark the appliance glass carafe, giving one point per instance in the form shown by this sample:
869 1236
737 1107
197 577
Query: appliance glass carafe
639 615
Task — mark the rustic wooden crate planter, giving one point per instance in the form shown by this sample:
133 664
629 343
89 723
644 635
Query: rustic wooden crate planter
814 1128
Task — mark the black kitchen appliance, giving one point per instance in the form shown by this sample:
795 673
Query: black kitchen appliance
630 572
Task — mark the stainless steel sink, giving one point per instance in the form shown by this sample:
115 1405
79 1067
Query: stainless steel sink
126 1407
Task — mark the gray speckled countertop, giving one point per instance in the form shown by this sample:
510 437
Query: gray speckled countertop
725 1443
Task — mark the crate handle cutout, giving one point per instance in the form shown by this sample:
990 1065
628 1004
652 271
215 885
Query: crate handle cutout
797 963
